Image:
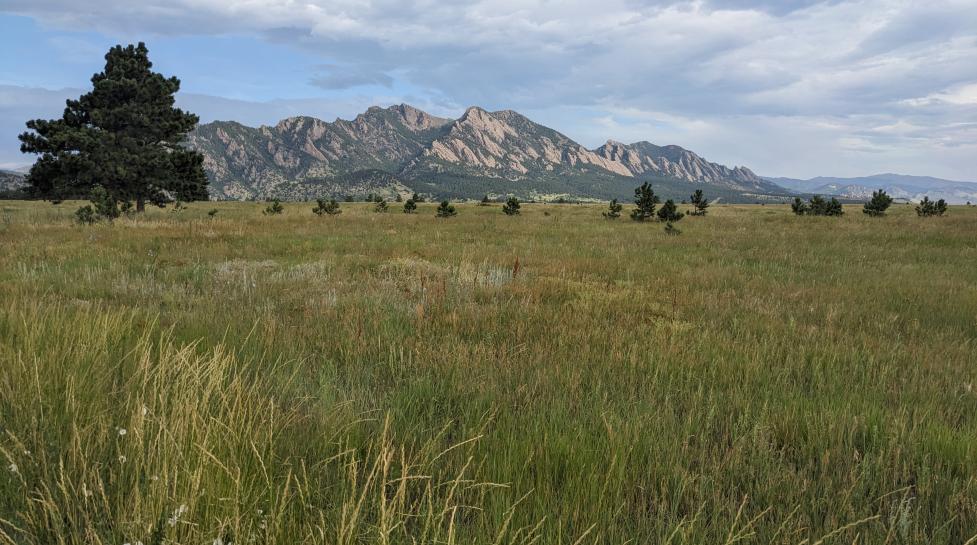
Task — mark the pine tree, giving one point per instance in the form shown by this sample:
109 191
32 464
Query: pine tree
124 135
927 208
410 206
699 202
398 198
446 210
323 207
669 212
799 207
645 201
613 210
511 206
417 198
274 208
485 201
878 205
381 206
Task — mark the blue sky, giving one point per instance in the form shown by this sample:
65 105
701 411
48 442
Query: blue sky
794 88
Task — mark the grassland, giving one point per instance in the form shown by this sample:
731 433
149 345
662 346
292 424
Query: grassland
547 378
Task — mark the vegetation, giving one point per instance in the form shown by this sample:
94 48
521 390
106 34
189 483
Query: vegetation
557 380
878 205
446 210
613 210
380 205
511 206
410 206
124 136
927 208
324 207
645 202
669 212
274 208
817 206
485 201
699 203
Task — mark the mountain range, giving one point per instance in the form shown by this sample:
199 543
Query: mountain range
898 186
402 149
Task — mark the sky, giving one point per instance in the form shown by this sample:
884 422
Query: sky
795 88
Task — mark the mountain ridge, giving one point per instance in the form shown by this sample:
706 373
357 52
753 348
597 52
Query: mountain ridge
899 186
480 152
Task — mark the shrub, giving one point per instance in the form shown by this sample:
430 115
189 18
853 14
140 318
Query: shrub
446 210
417 198
511 206
485 201
322 207
212 212
410 206
381 206
399 198
274 208
700 203
927 208
878 205
85 215
645 201
669 212
817 206
671 229
106 207
613 210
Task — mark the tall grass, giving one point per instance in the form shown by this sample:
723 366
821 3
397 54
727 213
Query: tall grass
559 378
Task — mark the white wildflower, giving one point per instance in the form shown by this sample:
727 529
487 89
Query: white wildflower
179 512
122 432
122 459
145 410
12 468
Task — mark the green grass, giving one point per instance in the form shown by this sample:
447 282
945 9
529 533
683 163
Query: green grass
552 377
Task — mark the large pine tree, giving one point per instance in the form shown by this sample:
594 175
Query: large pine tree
124 135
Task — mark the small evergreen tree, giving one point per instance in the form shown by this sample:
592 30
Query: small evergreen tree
799 206
106 205
417 198
398 198
381 206
274 208
669 212
511 206
613 210
446 210
410 206
699 202
323 207
645 201
485 201
671 229
878 205
927 208
212 212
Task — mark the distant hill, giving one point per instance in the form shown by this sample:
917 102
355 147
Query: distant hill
402 149
909 188
11 182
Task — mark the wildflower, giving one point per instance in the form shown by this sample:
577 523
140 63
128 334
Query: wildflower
179 512
145 410
122 432
122 459
13 468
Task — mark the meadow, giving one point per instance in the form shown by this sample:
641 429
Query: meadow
548 378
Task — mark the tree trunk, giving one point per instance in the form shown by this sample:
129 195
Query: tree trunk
140 205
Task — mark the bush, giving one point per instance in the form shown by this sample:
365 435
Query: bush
878 205
511 206
927 208
645 201
671 229
613 210
410 206
85 215
381 206
446 210
417 198
485 201
669 212
322 207
817 206
274 208
212 212
106 207
700 203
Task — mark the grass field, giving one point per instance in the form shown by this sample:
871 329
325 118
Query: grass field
547 378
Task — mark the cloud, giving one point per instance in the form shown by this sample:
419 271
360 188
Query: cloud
743 65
